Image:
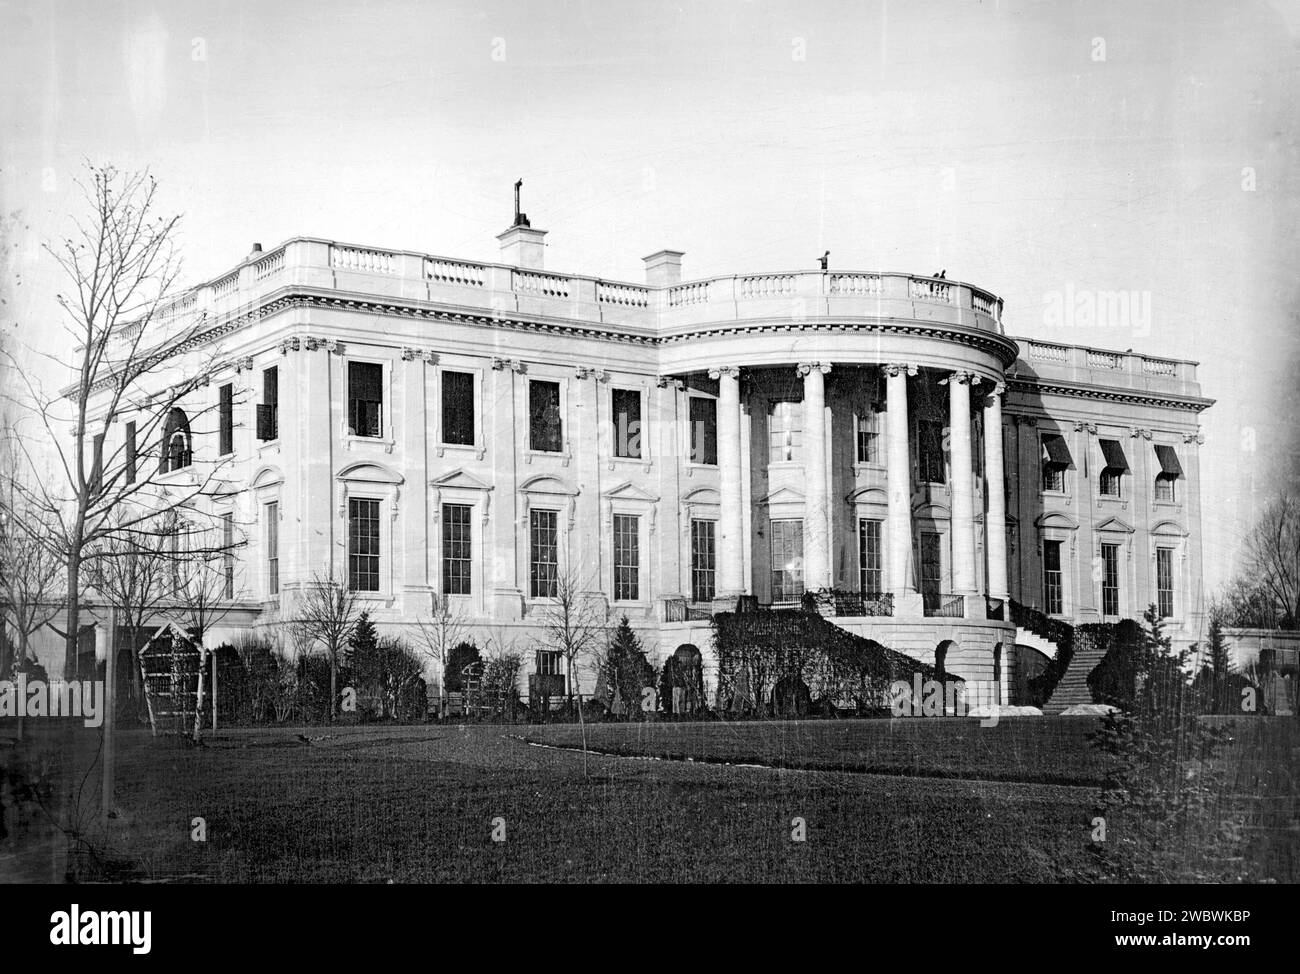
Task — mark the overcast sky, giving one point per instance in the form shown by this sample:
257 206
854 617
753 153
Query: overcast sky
1030 148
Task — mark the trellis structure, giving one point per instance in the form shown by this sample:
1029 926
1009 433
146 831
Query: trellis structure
169 668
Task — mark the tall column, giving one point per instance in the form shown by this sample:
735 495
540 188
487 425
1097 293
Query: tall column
499 434
731 576
995 518
963 505
816 540
900 492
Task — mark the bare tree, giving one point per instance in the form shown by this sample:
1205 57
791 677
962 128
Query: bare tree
203 572
326 612
574 625
30 579
1273 558
132 574
127 337
438 634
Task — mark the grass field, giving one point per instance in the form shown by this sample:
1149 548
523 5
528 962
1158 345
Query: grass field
418 804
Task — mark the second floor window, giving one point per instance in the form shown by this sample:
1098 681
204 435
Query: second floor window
130 452
704 430
363 544
268 410
226 420
930 451
458 408
545 429
868 446
1170 471
228 554
177 452
1055 460
1112 473
626 418
365 398
785 431
1165 487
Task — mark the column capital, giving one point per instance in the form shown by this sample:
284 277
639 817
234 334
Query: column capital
1136 431
664 381
728 370
999 389
899 368
514 365
583 372
1197 438
1081 426
804 368
964 378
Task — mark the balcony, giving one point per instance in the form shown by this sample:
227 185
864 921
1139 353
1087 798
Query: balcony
943 605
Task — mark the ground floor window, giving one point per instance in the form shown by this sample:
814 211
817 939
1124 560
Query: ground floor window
1053 601
931 570
627 558
869 572
363 544
543 554
456 551
1110 579
787 561
1165 582
703 561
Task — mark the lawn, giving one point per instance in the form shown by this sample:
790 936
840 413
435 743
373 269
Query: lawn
419 804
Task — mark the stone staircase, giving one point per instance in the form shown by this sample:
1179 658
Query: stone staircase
1073 688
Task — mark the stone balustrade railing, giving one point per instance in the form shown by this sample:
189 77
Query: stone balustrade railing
309 263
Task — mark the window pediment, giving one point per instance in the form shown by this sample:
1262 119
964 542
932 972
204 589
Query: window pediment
868 495
1115 524
629 491
369 472
1055 519
459 479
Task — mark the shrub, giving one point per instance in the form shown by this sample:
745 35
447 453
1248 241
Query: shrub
461 655
626 670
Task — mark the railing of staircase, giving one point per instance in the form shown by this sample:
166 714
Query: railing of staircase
946 605
675 610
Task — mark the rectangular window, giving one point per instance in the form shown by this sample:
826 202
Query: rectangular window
1165 582
226 420
870 580
545 428
703 561
550 662
1053 599
1056 459
273 548
268 410
130 452
458 408
868 435
787 561
1110 482
543 554
930 451
785 431
627 558
626 417
931 570
1165 487
365 398
363 545
228 553
704 430
1110 579
97 464
456 549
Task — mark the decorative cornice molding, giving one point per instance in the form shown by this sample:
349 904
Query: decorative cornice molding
1192 403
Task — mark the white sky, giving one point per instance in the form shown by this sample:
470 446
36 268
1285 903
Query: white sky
982 138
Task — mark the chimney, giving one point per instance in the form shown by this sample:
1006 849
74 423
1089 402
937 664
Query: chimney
521 246
663 267
257 249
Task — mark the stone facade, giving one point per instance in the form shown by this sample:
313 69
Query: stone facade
786 422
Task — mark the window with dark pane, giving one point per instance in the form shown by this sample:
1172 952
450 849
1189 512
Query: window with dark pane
545 430
543 554
626 418
458 408
226 420
703 561
365 398
704 430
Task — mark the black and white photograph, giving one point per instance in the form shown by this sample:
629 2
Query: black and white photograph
661 443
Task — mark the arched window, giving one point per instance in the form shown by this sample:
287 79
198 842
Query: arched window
177 446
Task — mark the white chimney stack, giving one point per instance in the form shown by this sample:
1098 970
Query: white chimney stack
663 267
522 246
